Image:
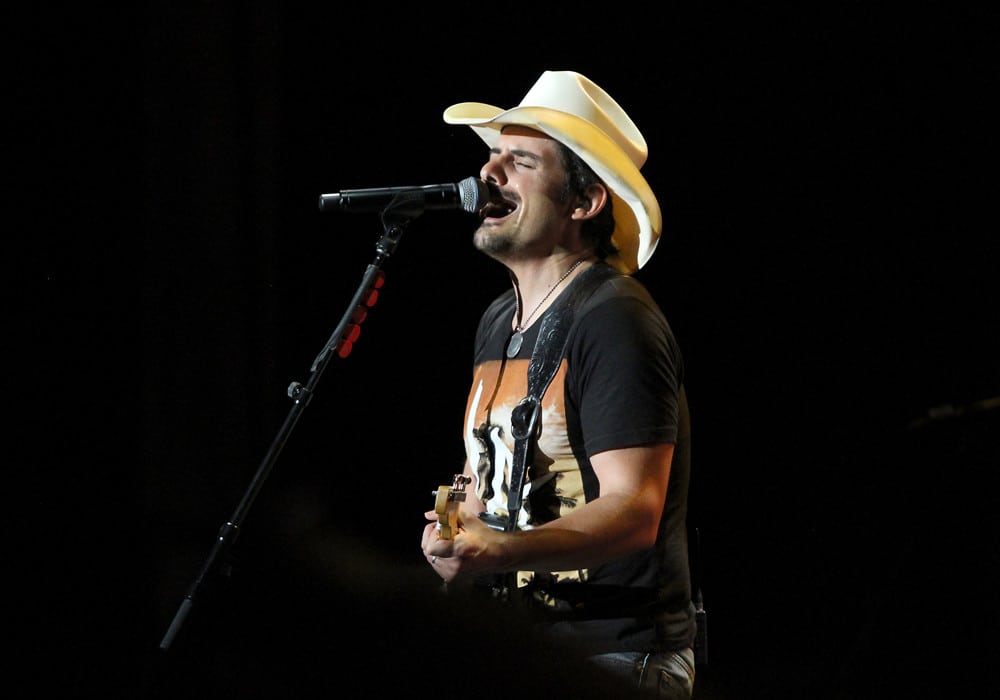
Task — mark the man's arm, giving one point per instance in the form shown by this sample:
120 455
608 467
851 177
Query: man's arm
624 519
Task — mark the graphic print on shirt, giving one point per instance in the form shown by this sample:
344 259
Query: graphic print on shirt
553 484
486 448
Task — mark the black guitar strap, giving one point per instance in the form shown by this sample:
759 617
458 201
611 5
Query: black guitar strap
545 360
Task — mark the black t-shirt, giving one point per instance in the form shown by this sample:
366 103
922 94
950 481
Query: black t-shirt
620 384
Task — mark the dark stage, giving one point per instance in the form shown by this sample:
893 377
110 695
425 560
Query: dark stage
829 265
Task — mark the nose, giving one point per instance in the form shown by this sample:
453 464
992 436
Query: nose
492 171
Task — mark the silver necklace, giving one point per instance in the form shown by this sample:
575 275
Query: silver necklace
514 344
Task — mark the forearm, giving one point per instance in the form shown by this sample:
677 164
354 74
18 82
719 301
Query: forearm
610 527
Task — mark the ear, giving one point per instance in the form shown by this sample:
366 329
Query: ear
596 197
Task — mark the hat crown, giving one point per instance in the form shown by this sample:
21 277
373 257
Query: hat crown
574 94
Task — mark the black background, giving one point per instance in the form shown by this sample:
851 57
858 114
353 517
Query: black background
829 264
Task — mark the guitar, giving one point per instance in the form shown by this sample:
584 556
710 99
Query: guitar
446 503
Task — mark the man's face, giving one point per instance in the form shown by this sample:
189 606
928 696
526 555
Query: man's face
526 166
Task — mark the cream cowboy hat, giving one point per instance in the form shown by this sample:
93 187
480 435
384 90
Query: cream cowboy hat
573 110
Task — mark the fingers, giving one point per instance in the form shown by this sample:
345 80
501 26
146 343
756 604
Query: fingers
439 553
432 544
443 566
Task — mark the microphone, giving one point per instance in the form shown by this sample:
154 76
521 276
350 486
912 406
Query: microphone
471 194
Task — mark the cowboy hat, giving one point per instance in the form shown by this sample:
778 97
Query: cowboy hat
573 110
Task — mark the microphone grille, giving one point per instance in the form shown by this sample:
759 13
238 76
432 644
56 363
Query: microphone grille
475 194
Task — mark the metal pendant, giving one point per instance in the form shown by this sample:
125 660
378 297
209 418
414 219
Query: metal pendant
514 345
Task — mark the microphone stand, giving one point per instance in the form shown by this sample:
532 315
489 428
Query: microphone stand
395 217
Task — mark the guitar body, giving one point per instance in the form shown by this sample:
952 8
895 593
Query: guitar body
446 501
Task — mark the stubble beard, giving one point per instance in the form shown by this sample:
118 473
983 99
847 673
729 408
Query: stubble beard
492 241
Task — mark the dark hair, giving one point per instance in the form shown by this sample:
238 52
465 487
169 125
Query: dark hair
580 176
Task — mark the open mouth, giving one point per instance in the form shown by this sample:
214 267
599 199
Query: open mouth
497 210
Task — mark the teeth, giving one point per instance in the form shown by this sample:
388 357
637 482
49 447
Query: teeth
497 210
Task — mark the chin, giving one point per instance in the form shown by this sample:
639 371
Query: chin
489 240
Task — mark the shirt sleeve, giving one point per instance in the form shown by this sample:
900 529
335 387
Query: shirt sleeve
625 375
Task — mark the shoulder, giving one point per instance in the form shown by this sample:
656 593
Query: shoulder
620 320
618 286
620 298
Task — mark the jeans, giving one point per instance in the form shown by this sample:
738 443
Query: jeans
665 676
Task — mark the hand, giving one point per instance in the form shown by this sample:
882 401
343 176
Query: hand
464 553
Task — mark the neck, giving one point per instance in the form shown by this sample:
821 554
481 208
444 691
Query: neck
537 285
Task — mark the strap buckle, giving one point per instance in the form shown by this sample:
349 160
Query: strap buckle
524 423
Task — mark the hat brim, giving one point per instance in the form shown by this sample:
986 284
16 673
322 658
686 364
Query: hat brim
638 221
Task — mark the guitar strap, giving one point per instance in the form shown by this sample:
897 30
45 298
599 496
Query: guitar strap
545 360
